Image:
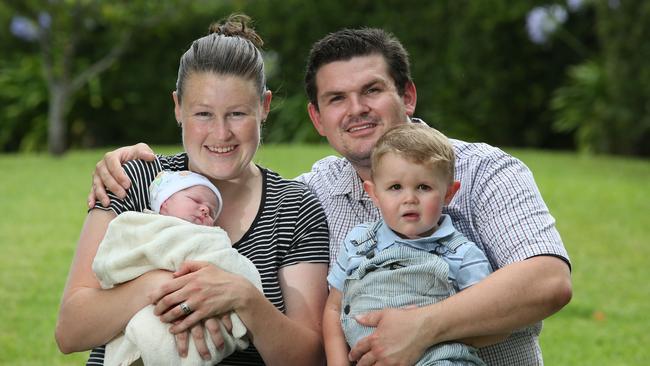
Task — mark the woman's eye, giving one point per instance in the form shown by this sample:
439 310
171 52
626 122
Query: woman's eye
203 114
237 114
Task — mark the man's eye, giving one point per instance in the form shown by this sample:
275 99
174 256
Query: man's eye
373 90
335 99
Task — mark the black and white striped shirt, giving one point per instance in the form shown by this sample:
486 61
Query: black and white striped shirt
290 227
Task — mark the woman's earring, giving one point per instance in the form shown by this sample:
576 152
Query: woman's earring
180 123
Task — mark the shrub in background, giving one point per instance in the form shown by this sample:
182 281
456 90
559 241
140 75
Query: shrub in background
605 102
481 73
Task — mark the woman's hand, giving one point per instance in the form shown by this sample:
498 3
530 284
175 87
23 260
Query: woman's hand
198 334
207 290
155 279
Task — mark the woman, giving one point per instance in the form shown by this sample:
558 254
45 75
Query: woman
220 104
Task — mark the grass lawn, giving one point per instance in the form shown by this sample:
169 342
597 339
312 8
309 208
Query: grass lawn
602 206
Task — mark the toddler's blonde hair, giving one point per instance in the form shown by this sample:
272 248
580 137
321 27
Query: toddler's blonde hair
420 144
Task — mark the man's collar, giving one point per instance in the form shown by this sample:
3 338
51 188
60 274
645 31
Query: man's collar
350 184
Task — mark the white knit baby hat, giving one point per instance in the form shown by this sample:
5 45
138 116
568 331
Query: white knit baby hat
167 183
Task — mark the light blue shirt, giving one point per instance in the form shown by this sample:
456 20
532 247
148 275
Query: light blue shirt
467 264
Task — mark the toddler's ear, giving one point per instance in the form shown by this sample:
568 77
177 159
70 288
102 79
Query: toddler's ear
369 187
451 191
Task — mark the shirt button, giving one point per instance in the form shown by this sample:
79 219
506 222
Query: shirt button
370 254
346 309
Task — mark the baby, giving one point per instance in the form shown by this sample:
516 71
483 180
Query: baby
186 195
164 238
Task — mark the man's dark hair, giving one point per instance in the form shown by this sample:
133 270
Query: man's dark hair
345 44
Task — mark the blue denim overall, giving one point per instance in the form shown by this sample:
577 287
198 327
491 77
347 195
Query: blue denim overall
397 277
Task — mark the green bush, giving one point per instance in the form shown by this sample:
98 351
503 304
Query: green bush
23 96
605 101
478 74
624 31
582 109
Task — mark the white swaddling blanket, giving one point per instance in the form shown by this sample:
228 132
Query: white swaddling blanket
136 243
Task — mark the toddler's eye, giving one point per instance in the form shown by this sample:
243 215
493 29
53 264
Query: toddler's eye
395 187
424 187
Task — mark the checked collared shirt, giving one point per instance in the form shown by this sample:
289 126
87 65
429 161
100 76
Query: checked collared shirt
498 207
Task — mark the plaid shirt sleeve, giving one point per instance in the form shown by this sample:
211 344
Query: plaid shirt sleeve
511 218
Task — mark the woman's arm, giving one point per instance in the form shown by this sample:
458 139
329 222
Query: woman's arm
336 347
293 338
88 315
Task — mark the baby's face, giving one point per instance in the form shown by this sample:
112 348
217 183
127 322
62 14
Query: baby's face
196 204
409 195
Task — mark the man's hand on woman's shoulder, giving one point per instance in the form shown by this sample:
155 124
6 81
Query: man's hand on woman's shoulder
109 175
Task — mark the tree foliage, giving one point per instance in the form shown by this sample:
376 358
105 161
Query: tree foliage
77 40
480 75
625 33
604 102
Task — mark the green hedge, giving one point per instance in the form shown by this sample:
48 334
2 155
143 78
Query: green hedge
479 76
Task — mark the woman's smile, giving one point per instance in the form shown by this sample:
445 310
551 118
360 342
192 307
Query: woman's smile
221 149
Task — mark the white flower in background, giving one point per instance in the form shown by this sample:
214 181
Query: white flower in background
542 21
44 19
574 5
23 28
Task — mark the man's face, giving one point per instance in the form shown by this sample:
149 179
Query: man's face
357 103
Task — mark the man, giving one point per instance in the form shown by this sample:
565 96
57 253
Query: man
359 86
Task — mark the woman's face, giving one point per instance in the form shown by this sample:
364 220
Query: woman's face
221 117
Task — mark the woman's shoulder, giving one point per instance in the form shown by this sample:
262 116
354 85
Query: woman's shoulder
276 183
174 162
141 170
287 193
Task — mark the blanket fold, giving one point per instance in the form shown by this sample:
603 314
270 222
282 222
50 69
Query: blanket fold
136 243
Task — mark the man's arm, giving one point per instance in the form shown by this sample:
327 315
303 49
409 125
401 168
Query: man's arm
514 227
109 175
511 298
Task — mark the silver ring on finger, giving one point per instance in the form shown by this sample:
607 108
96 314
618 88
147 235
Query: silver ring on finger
185 308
